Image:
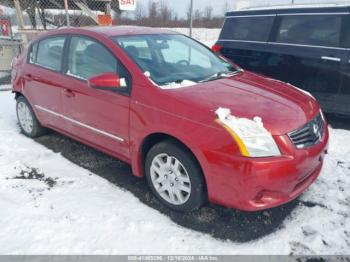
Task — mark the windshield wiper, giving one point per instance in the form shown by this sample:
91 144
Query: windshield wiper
220 75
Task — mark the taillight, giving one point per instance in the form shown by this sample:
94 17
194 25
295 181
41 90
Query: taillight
216 48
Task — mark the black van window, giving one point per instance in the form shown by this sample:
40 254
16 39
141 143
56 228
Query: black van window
318 30
247 28
346 32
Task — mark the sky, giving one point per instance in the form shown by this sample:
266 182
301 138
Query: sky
181 6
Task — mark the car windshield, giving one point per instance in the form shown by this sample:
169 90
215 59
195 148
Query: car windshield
170 59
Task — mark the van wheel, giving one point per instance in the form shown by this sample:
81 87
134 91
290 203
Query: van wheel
27 120
175 177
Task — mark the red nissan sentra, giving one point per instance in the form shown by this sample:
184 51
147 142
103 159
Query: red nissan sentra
197 126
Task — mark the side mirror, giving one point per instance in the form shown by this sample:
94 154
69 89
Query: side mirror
107 81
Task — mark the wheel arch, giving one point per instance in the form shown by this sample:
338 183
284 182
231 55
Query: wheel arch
17 94
154 138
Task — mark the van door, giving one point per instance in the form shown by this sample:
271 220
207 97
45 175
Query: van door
344 99
308 51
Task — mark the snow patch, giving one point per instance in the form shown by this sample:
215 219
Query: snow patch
174 85
243 127
257 140
5 87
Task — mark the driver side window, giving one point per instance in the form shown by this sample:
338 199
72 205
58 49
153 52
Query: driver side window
88 58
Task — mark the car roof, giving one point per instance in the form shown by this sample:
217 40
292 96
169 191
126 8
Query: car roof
119 30
291 10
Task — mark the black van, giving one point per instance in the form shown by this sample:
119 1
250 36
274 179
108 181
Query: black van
307 47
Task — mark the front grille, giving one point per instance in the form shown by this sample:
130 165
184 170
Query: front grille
310 134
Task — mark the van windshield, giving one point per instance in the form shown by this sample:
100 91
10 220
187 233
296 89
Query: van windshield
174 59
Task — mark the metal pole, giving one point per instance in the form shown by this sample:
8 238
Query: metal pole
67 14
20 20
108 8
191 17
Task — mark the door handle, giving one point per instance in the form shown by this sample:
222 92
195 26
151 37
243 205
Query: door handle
28 77
331 58
68 93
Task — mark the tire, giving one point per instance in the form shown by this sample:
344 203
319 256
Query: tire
27 120
175 177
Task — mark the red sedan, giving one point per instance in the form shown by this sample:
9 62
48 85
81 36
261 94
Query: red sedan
197 126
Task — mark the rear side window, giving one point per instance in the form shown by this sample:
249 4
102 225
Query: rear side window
33 52
50 53
247 28
318 30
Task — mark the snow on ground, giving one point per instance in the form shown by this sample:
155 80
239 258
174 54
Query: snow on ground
48 205
4 87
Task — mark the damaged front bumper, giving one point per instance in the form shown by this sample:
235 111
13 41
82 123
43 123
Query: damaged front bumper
252 184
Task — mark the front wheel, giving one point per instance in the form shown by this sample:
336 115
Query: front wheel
175 177
27 120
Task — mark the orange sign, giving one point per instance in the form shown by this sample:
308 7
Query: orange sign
104 19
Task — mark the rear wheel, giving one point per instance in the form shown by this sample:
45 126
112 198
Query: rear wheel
175 177
27 120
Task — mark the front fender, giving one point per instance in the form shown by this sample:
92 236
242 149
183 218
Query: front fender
200 138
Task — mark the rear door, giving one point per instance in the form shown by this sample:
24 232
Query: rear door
308 54
96 116
43 79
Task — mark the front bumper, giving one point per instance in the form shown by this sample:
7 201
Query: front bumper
253 184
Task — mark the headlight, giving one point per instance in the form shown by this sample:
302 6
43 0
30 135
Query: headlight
252 138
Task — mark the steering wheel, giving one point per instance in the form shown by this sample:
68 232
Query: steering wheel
183 62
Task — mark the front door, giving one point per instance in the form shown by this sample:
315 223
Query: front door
96 116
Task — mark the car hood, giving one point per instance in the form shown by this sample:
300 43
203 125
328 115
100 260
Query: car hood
282 107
